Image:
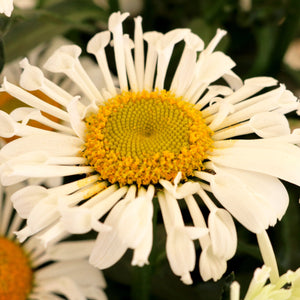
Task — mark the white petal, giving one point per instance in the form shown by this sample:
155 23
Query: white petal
25 199
139 51
8 126
272 158
165 48
254 199
135 221
185 189
142 251
77 124
66 59
23 234
152 38
195 232
62 285
83 223
46 208
250 87
260 277
6 7
52 234
63 59
109 247
69 250
115 26
211 266
52 143
269 124
96 46
223 233
215 66
32 77
181 254
234 81
34 101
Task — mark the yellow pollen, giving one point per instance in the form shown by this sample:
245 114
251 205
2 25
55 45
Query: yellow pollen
139 138
15 273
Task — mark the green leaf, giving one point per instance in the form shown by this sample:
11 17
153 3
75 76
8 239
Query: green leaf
207 31
264 50
41 25
2 56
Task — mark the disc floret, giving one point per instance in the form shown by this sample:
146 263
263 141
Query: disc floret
146 136
16 275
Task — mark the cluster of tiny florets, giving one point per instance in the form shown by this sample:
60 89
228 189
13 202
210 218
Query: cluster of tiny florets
143 137
16 275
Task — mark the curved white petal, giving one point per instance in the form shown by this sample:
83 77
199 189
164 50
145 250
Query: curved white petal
142 251
6 7
273 158
61 285
211 266
25 199
76 122
109 247
181 254
269 124
223 233
181 191
255 200
215 66
52 143
47 208
69 250
135 221
8 126
82 216
32 78
78 270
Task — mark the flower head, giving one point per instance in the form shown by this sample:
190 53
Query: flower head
286 288
29 271
139 138
7 6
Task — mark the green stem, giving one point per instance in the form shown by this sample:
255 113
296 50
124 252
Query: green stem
141 283
285 34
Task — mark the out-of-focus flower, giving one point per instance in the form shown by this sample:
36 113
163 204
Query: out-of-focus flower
134 7
142 138
7 6
292 55
286 288
245 5
29 271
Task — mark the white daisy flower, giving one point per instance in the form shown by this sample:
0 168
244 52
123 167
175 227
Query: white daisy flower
144 138
292 55
7 6
29 271
286 288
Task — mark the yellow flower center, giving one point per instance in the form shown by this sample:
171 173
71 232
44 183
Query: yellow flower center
146 136
15 272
